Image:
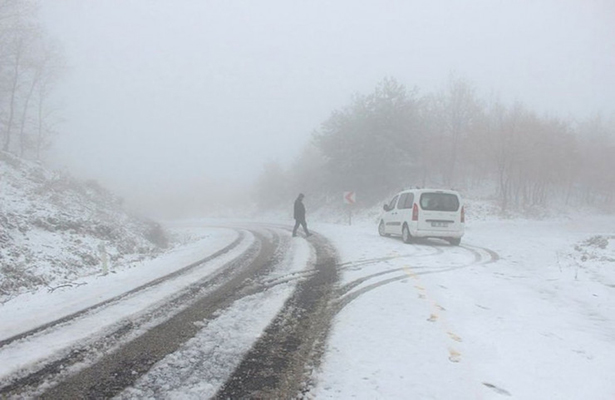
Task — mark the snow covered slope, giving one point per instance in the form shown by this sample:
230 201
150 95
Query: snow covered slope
54 229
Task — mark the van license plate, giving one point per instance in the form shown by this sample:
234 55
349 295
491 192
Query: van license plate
439 224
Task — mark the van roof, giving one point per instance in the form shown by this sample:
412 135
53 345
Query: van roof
430 190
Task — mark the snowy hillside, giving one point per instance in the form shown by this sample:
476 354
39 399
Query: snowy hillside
54 229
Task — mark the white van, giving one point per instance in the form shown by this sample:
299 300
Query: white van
424 213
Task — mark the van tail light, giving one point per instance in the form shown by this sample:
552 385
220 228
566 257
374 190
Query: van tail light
415 212
463 215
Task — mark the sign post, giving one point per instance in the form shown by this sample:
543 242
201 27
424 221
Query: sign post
350 198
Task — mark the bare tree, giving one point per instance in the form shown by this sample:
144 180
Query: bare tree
32 72
15 71
597 137
29 67
49 67
461 110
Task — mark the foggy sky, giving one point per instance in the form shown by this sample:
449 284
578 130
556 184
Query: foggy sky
168 93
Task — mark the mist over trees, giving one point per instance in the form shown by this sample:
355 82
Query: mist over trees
394 138
391 138
29 67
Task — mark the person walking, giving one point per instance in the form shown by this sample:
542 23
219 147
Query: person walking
299 215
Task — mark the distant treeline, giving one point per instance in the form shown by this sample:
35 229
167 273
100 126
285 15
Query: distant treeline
29 67
393 138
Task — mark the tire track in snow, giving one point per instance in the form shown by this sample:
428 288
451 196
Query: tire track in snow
122 296
122 368
229 274
346 295
280 362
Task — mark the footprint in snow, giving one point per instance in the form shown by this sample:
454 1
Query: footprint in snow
497 389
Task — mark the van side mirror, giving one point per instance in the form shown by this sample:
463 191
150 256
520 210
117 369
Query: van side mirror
386 207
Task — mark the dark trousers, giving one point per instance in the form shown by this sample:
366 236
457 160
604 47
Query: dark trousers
302 223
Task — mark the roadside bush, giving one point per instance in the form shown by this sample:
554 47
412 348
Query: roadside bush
16 278
157 235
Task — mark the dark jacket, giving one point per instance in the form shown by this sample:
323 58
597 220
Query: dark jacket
299 213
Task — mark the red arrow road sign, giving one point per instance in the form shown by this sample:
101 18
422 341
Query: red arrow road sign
350 197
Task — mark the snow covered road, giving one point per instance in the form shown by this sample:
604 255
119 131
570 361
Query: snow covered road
514 312
97 307
158 311
522 309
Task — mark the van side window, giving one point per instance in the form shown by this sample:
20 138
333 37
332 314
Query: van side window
406 200
409 201
392 203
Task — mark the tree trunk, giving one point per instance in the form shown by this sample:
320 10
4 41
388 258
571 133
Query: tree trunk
22 135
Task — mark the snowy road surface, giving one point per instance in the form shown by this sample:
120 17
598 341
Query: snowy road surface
522 309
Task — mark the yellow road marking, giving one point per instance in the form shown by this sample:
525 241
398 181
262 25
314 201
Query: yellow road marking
454 337
454 355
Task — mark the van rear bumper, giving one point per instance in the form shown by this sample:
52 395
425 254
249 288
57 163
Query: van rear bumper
437 234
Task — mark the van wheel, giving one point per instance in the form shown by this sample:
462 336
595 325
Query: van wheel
405 234
455 241
381 231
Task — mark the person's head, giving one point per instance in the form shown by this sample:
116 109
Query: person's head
301 196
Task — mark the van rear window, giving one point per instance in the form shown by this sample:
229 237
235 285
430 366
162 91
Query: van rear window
439 202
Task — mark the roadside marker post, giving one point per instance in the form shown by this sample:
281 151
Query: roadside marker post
350 198
104 258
